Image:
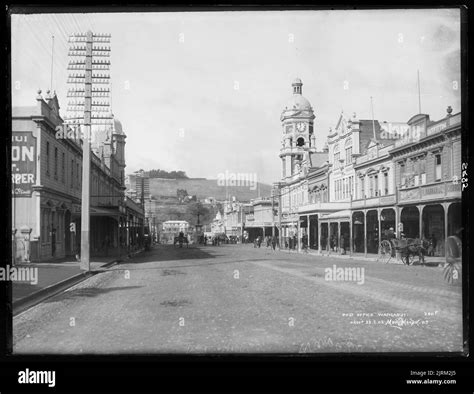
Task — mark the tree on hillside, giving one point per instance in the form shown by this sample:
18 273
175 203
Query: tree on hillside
196 212
182 195
157 173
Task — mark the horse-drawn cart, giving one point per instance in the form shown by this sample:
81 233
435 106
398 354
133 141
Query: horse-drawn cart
405 250
180 240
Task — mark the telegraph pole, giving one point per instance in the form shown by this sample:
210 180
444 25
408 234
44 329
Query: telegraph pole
419 92
373 119
80 113
86 158
279 215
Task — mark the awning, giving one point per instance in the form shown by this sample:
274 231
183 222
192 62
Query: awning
101 212
345 214
105 212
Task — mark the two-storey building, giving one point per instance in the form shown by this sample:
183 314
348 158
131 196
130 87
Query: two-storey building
427 164
47 184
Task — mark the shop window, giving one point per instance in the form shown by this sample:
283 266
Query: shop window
423 171
63 168
72 173
402 175
47 158
438 167
349 155
77 175
56 163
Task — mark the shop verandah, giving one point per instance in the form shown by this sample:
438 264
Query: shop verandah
264 230
360 231
111 233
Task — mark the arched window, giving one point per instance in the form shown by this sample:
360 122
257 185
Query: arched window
348 147
337 155
300 141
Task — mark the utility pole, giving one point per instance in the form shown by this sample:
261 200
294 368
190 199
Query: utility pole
279 215
419 92
52 63
80 113
373 120
86 159
273 214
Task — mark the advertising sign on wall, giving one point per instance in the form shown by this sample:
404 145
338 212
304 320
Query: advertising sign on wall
23 163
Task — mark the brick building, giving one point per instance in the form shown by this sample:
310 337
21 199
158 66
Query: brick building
46 206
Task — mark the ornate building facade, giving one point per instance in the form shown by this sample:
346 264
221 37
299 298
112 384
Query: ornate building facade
370 177
46 207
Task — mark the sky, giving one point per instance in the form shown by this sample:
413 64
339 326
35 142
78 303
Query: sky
203 92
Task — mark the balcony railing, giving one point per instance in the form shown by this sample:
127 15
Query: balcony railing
434 128
389 199
296 150
431 191
323 206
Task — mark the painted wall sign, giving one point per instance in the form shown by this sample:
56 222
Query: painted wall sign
23 163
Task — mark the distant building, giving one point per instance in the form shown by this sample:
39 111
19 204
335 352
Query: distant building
172 228
217 225
262 218
139 186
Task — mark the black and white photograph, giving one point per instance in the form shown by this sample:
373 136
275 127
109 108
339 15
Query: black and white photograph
238 182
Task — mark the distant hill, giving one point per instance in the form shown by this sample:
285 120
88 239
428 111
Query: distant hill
203 188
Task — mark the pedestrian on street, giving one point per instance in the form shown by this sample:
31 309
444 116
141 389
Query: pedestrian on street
433 242
342 244
106 245
274 242
53 242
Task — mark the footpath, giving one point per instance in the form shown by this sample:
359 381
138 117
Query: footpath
54 276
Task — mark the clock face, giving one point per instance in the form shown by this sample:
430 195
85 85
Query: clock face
301 126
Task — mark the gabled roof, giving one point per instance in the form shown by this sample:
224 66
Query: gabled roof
317 159
367 135
416 118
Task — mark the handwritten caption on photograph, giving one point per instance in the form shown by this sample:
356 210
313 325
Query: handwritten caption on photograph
399 320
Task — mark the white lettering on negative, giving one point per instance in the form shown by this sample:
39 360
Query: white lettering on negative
37 377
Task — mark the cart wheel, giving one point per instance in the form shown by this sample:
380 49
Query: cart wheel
411 257
385 252
452 273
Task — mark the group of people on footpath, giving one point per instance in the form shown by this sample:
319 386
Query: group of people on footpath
270 241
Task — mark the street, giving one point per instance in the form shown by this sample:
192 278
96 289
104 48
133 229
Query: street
240 299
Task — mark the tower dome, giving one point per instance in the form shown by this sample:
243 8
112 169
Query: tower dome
297 104
117 127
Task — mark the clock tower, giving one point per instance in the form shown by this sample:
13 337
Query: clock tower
298 139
